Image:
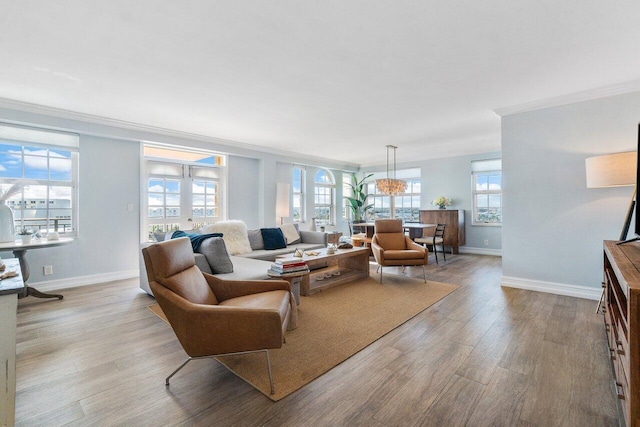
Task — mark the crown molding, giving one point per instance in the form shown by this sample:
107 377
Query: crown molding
115 124
587 95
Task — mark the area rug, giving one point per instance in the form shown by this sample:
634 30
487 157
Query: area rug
333 325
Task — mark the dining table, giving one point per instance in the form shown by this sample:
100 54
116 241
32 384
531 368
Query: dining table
415 229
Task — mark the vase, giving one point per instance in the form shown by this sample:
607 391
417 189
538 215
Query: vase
26 238
442 207
7 229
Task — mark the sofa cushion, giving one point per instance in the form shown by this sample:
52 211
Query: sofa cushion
255 239
196 238
215 251
235 235
290 233
273 238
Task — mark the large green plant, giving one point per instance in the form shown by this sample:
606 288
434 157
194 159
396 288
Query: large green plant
358 200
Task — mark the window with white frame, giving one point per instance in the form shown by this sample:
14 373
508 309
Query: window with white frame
486 176
298 193
324 197
184 188
42 167
405 206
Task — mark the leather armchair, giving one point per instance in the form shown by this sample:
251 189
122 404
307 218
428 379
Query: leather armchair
211 316
391 247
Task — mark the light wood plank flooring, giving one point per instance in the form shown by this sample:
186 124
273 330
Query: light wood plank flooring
484 355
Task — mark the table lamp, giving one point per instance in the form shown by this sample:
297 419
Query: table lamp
614 170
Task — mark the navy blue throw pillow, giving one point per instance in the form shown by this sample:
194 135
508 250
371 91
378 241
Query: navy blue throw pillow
273 238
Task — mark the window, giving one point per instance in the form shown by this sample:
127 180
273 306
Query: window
487 192
407 205
46 163
346 192
324 197
298 193
183 188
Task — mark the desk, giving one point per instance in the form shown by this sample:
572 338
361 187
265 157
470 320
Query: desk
414 228
9 290
20 250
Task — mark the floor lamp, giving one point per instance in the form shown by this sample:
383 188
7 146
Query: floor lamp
614 170
282 201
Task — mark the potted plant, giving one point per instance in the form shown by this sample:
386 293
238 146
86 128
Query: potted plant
358 200
442 202
25 235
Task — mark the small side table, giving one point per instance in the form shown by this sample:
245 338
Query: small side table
294 280
334 237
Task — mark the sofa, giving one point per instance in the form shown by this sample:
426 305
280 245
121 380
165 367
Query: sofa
251 265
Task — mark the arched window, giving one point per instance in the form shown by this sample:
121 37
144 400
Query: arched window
324 197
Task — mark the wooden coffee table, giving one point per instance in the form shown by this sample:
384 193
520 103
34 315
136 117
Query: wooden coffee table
329 270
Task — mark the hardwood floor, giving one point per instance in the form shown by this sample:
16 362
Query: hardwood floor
484 355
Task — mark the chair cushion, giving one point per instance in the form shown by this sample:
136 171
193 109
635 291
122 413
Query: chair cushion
215 251
403 254
273 238
271 300
388 226
191 285
394 241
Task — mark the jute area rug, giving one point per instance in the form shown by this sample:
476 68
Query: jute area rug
333 325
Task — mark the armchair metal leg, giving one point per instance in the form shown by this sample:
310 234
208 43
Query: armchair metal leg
424 273
166 382
380 274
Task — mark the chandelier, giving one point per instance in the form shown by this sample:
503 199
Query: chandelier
390 185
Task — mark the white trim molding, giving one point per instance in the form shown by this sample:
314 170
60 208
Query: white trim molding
73 282
571 98
585 292
480 251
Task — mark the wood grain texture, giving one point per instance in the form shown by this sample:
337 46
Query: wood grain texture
484 355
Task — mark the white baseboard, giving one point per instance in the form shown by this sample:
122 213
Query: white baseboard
585 292
480 251
72 282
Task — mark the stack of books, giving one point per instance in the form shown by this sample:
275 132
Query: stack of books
288 266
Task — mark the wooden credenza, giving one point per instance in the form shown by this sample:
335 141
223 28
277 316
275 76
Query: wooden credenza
622 320
454 235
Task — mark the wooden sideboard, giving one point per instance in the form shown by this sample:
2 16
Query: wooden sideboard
454 234
622 323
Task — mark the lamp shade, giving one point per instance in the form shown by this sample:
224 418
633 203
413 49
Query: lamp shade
612 170
282 200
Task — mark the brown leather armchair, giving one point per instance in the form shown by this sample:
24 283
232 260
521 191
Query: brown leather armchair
391 247
213 317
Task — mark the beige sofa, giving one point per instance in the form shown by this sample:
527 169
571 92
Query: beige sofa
248 266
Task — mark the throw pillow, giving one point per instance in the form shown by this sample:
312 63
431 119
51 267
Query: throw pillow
215 252
255 239
235 235
273 238
290 233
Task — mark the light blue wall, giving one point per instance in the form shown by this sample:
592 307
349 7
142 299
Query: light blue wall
451 177
243 190
553 224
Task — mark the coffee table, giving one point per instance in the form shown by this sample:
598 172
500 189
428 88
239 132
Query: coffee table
329 270
294 280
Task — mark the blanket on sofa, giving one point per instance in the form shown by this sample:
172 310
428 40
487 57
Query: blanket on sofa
196 239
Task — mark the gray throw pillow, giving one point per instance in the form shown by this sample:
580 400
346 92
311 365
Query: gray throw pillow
255 240
215 251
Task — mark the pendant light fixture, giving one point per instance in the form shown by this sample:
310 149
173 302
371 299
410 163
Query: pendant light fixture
390 185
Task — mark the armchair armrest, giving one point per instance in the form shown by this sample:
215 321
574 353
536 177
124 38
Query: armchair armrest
378 251
227 289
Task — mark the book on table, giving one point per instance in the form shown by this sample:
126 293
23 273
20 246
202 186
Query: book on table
286 267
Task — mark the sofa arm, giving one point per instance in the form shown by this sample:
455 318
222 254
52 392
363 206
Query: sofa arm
316 237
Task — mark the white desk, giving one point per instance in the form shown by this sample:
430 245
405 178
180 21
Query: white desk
20 250
9 290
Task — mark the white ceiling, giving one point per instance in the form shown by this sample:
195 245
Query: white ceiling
336 79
